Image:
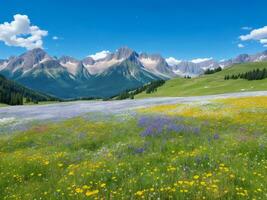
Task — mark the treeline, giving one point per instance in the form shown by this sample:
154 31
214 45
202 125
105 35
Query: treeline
12 93
81 99
148 88
255 74
212 71
11 98
187 77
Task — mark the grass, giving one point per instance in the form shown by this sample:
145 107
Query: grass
3 105
210 151
211 84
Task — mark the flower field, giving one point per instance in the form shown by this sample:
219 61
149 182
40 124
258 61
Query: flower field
213 150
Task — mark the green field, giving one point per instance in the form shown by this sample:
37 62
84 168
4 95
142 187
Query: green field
208 151
3 105
211 84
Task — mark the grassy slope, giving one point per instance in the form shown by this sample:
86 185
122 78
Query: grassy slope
211 84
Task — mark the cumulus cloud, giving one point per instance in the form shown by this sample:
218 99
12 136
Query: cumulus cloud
55 37
241 45
21 33
263 41
99 55
200 60
172 61
256 34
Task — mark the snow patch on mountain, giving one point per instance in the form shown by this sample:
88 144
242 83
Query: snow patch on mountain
172 61
101 66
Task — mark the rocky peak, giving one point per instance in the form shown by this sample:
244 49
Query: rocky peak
124 53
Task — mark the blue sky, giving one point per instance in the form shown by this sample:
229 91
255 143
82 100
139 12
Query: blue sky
186 29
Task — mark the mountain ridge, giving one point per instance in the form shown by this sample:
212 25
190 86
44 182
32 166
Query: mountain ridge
68 77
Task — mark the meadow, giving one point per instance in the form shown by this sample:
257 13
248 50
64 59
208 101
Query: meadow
213 150
212 83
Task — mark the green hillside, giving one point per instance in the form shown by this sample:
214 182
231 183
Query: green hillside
13 93
211 84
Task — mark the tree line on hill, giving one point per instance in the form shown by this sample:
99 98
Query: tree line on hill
212 71
256 74
12 93
148 88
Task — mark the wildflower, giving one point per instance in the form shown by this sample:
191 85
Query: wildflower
209 174
71 173
139 193
202 183
60 164
216 137
232 176
91 193
85 187
78 190
196 177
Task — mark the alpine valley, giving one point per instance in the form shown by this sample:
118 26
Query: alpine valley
67 77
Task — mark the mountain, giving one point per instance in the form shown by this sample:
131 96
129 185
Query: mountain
105 75
157 65
17 66
68 77
193 68
125 72
13 93
75 68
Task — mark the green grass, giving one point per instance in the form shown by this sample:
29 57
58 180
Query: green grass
211 84
219 154
3 105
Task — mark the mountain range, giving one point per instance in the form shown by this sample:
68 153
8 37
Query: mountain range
196 68
67 77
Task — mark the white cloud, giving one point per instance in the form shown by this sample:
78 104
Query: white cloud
172 61
241 45
263 41
21 33
55 37
247 28
200 60
256 34
100 55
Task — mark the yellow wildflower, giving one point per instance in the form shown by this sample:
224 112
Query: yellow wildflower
90 193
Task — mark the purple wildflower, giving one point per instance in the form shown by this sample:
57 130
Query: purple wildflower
216 137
